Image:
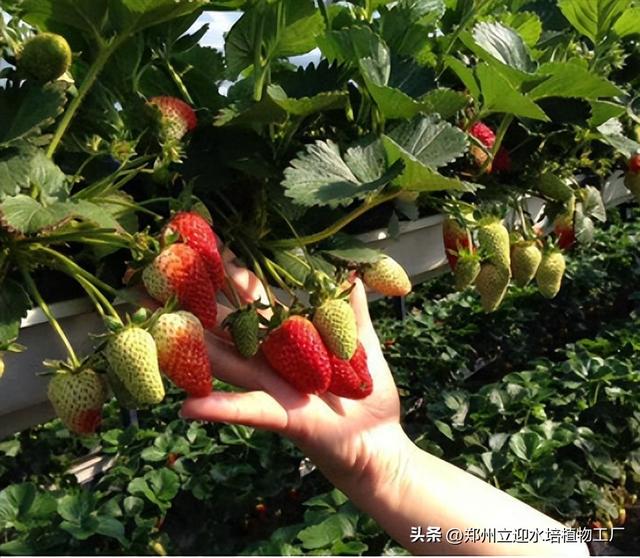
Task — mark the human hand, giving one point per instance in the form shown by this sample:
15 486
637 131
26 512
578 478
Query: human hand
342 437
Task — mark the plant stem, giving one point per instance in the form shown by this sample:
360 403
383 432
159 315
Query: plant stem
85 285
258 270
97 294
129 205
283 272
104 53
47 312
179 83
259 70
272 271
336 227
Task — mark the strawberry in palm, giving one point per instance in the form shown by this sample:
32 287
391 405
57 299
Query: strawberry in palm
182 353
297 353
196 233
351 378
180 271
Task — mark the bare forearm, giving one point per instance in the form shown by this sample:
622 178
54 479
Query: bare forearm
418 489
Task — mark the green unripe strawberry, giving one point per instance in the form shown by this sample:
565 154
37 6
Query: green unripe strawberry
45 57
525 259
492 283
467 269
133 357
550 273
555 188
244 329
387 277
336 323
125 399
77 399
493 239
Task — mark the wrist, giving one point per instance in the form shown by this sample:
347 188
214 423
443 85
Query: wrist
379 469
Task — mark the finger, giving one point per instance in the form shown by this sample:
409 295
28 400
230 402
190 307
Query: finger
230 367
255 408
252 374
248 287
366 331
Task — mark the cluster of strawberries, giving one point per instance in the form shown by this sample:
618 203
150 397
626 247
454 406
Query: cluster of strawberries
495 257
318 351
315 349
189 268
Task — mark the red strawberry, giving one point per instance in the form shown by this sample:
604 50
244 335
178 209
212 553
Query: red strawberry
196 233
351 378
295 350
182 353
483 134
502 161
178 117
632 176
487 137
455 238
563 227
179 270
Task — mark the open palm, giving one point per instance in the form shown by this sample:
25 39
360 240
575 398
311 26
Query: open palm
334 432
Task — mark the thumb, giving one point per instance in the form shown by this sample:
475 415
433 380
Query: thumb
366 331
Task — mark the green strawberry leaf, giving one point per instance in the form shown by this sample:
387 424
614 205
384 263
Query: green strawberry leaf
628 23
308 105
432 141
103 17
526 24
14 305
23 507
294 35
15 167
25 215
601 111
329 531
404 27
392 102
504 44
111 527
77 507
593 18
353 44
26 110
417 176
464 74
444 102
498 95
571 79
321 175
30 170
47 179
346 248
